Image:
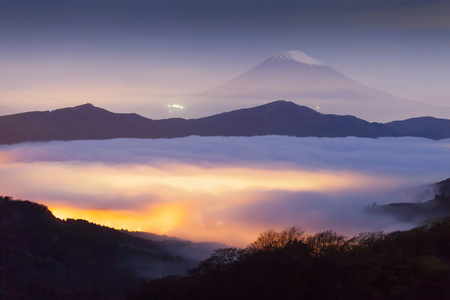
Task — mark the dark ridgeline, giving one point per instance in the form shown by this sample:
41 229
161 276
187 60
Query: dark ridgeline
288 265
427 127
87 122
43 257
285 118
76 123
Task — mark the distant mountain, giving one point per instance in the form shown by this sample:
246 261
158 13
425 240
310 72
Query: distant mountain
90 122
286 118
81 122
436 208
428 127
87 122
297 77
43 257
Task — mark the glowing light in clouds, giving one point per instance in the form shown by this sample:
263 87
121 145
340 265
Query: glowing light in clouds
160 218
224 189
175 106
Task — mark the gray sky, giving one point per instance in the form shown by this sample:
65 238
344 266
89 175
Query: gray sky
139 55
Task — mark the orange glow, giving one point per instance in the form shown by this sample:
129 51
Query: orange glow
176 199
160 218
173 179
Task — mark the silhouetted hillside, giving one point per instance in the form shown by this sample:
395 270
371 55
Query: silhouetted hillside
428 127
276 118
81 122
287 265
286 118
412 264
43 257
443 187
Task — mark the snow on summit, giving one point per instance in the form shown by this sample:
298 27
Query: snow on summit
299 57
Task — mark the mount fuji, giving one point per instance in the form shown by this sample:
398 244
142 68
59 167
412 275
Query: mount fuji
297 77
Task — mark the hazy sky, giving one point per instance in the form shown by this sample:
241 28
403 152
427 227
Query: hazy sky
142 55
225 189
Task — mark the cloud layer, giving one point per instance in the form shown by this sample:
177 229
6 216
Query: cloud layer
224 189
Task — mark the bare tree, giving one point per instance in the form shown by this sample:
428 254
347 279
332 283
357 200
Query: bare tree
271 240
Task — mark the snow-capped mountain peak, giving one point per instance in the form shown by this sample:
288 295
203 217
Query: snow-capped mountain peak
297 77
297 56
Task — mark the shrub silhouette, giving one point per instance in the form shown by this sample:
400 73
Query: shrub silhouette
412 264
271 240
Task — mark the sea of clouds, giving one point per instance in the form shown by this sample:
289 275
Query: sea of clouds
226 189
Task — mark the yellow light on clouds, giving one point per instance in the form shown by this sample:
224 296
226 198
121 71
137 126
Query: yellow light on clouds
171 179
160 218
169 198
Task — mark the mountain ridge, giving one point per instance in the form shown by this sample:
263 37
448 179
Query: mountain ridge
434 128
275 118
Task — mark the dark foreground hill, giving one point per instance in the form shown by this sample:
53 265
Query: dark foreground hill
87 122
288 265
43 257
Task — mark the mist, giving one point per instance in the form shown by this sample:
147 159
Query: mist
225 189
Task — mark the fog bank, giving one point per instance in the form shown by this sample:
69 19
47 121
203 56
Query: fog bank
225 189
